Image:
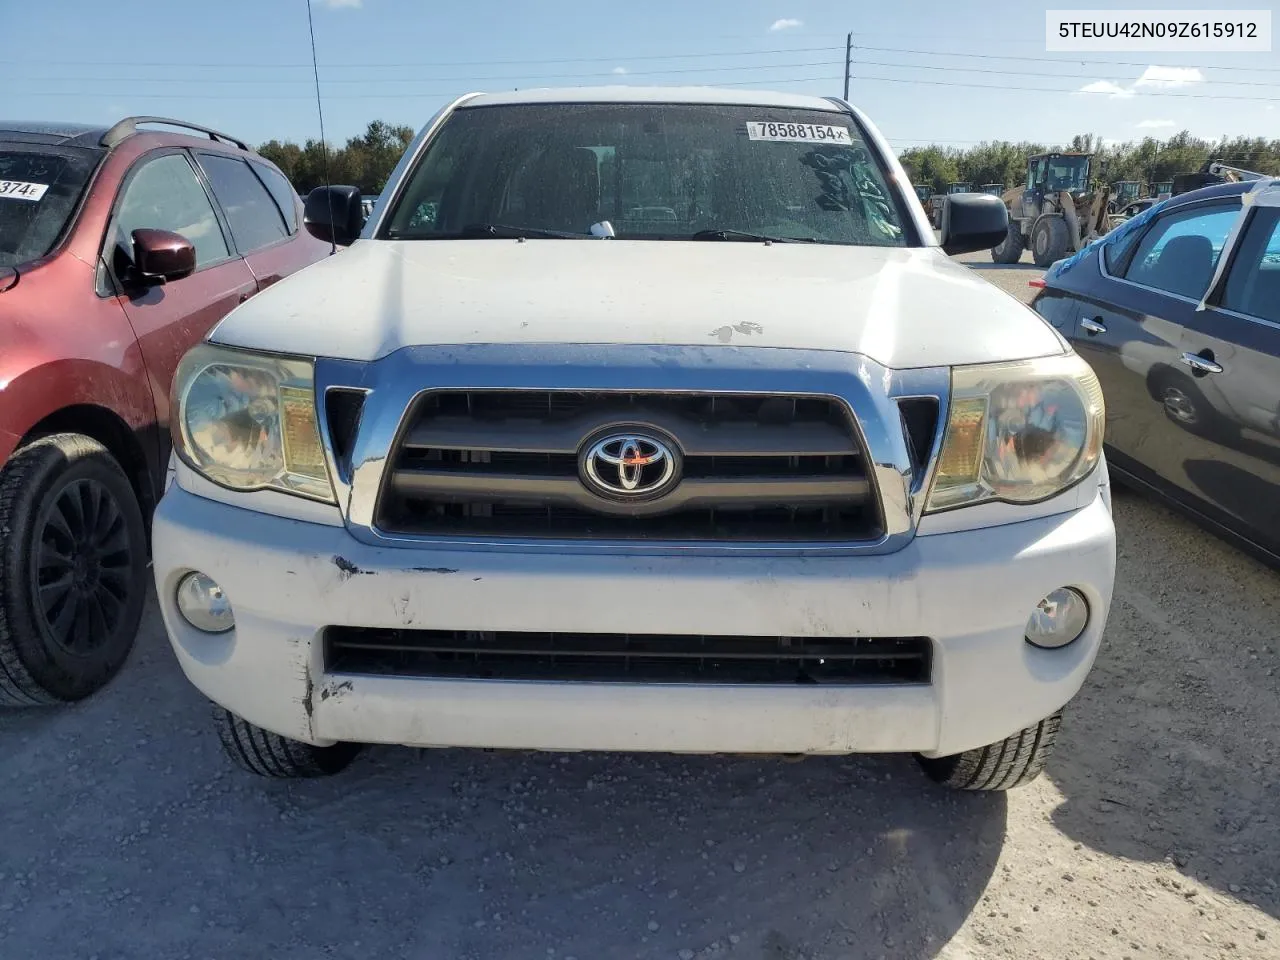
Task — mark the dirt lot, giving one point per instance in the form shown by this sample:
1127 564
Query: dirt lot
1155 833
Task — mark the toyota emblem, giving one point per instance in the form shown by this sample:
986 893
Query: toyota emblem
629 466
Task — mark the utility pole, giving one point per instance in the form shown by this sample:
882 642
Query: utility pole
848 62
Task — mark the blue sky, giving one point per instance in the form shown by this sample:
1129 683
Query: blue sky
244 65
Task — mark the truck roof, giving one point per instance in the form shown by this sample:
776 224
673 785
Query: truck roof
626 94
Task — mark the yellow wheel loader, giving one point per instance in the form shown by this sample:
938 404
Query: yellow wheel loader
1058 211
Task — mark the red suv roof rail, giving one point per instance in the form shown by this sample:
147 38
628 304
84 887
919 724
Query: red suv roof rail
129 126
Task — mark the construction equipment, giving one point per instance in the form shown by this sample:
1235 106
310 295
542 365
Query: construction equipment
1123 192
1213 172
995 189
936 201
924 192
1058 210
1161 189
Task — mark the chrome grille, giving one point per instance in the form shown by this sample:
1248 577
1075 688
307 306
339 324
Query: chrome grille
507 463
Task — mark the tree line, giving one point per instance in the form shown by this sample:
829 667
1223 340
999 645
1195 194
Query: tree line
365 161
1148 160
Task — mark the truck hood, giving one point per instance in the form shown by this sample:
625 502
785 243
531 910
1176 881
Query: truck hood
902 307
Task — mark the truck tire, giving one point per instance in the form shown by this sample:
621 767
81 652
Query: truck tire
1009 250
1049 240
73 581
1010 763
270 755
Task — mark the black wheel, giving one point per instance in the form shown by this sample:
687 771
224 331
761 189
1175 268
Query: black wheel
270 755
74 578
1009 250
1010 763
1049 240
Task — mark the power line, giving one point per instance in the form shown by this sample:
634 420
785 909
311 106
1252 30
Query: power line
520 78
763 81
449 94
999 56
1021 89
1058 76
455 63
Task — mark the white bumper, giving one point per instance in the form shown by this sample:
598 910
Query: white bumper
970 592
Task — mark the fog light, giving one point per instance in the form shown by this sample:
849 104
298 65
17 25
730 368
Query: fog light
203 604
1058 619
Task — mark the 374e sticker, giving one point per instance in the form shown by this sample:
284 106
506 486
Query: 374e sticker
21 190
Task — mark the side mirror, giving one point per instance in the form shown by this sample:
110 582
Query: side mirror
334 214
161 255
973 221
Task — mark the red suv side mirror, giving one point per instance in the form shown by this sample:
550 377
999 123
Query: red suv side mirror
161 255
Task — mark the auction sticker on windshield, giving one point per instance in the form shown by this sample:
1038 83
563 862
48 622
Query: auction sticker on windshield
798 132
19 190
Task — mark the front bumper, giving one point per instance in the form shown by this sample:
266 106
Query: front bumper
970 592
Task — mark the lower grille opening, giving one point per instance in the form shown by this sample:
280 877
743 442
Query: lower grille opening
534 520
627 658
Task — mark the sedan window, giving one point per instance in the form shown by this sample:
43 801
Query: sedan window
1253 283
1180 251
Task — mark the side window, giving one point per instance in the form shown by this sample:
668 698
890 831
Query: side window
1180 251
282 192
164 194
1253 282
1116 252
254 217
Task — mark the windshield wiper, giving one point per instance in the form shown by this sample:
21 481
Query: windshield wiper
507 232
748 237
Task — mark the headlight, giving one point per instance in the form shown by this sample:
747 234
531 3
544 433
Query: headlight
248 421
1018 432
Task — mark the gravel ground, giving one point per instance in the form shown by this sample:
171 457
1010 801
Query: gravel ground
1154 833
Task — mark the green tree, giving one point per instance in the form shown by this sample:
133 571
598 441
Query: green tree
365 161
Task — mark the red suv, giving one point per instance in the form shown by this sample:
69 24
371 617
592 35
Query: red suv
119 249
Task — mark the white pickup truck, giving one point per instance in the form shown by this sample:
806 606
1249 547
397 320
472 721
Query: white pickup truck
648 420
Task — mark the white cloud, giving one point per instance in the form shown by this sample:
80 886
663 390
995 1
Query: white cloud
1106 86
619 70
1155 124
337 4
786 23
1155 76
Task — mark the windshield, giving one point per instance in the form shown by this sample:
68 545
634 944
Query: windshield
1068 173
38 192
649 172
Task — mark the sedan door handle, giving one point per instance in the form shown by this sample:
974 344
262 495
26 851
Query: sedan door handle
1201 364
1093 327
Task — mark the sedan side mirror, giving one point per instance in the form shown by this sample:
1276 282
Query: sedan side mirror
973 221
334 214
161 255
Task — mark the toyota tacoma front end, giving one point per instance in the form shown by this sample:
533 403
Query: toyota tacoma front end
640 420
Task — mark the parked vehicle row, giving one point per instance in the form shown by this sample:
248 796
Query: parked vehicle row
413 517
120 248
